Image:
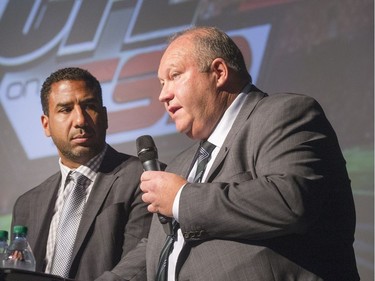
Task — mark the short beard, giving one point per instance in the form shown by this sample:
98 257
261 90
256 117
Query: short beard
82 156
79 155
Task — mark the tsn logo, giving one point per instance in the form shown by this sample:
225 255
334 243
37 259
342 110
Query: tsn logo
128 73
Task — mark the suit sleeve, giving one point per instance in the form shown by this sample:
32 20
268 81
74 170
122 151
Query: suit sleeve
132 265
131 268
276 179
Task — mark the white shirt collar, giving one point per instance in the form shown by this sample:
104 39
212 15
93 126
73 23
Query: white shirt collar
225 124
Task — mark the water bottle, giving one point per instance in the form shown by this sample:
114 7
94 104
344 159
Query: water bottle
19 254
3 246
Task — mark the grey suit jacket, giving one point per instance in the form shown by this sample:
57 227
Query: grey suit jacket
115 219
277 204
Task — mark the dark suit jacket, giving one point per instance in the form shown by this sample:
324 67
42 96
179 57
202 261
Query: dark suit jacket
115 219
277 205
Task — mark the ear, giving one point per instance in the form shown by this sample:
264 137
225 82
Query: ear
45 124
105 116
220 68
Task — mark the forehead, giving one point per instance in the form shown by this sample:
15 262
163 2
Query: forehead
67 85
177 53
67 89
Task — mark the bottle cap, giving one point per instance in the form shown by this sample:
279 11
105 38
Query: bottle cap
20 229
3 235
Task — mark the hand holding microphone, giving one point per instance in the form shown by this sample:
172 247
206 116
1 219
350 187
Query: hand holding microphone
160 188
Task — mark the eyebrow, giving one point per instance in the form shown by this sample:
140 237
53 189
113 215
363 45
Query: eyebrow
63 104
85 101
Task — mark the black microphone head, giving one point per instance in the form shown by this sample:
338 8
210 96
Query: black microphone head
146 148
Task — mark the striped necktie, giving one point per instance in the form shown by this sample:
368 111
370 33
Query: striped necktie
204 157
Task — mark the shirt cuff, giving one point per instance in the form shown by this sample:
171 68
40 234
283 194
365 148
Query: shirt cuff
176 204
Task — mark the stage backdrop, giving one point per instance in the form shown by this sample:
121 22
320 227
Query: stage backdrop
320 48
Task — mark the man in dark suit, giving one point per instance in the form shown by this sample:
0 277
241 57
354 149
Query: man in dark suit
114 218
275 201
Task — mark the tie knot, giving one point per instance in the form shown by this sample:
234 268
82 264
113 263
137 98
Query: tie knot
206 148
78 178
204 157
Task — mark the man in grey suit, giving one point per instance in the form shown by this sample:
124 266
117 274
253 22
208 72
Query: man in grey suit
275 201
114 218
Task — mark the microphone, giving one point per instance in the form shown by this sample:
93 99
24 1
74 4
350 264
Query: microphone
148 155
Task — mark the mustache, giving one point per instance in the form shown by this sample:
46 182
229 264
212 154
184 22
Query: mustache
82 132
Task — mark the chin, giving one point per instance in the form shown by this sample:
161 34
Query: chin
180 129
189 134
85 152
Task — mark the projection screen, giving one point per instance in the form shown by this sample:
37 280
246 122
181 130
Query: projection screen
320 48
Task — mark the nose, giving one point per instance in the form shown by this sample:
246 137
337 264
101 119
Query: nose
166 94
79 117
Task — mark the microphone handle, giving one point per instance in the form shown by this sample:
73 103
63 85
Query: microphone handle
154 165
151 165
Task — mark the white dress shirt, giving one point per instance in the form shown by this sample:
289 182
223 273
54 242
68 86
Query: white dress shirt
90 171
217 138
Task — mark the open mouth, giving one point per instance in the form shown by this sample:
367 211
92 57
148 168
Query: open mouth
173 109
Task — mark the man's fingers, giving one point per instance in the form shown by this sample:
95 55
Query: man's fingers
152 209
148 199
147 175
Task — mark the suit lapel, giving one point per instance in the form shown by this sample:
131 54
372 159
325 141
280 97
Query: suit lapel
183 164
45 201
46 210
253 97
102 186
